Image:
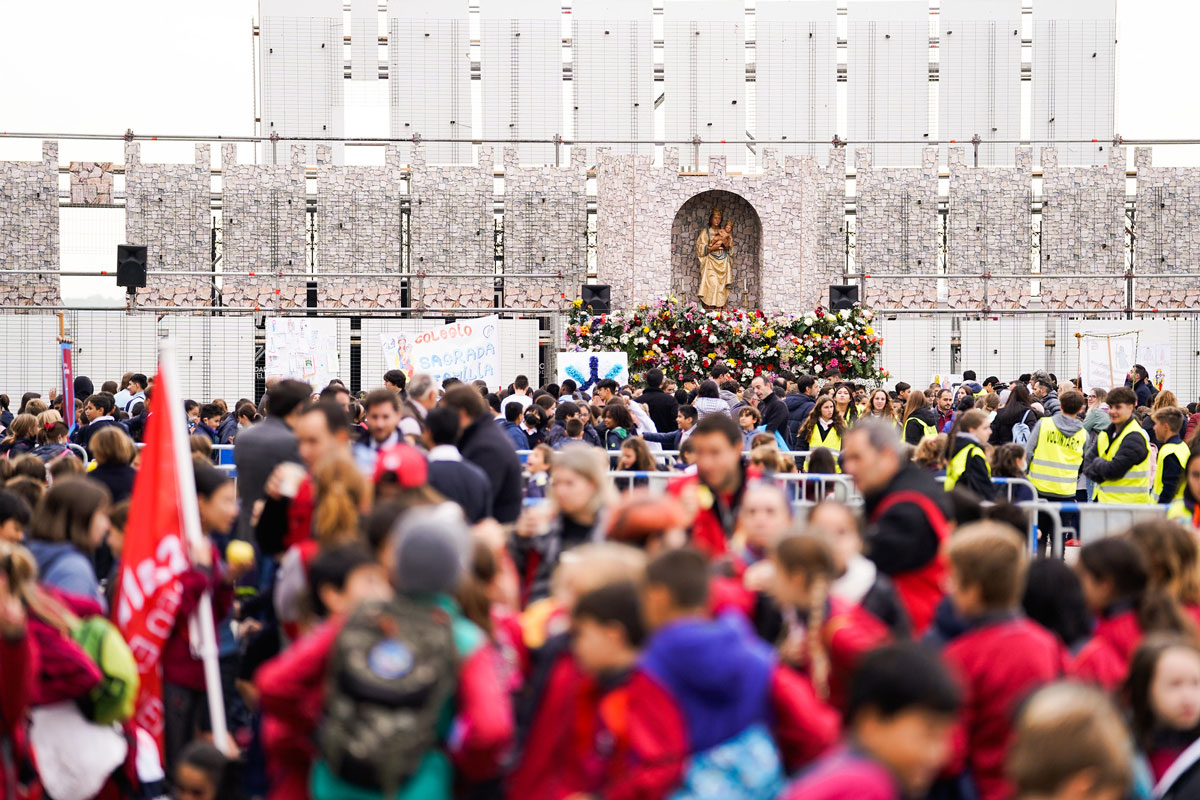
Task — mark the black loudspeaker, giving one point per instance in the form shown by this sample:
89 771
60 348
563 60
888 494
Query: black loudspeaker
842 297
597 297
131 266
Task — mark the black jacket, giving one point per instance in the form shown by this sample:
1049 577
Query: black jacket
1006 418
117 477
464 483
490 449
913 433
976 478
902 539
1132 452
84 434
662 408
799 406
774 415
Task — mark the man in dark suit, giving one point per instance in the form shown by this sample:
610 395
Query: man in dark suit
662 406
485 445
455 479
262 447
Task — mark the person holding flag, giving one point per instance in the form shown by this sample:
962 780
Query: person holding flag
166 574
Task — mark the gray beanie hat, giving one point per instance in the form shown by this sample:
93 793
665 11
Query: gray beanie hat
431 549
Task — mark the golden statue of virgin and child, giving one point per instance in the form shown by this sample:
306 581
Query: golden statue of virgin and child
714 249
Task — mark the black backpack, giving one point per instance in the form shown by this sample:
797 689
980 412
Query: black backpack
392 670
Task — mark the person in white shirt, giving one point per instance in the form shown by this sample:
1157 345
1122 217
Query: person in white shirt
521 394
136 389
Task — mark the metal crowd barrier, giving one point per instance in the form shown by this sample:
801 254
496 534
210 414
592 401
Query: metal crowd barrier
801 489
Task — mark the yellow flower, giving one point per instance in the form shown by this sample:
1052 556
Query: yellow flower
869 331
770 333
816 336
712 355
645 329
578 303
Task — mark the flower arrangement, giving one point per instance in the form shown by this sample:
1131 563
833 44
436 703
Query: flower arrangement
685 338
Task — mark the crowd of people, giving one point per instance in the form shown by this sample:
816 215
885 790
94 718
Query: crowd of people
468 591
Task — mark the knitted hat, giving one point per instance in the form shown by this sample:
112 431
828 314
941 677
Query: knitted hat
431 548
83 387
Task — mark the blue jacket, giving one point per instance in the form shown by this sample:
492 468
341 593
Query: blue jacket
519 439
63 567
717 672
799 407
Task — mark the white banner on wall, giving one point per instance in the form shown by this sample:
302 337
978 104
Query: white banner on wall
303 348
579 367
1105 359
468 350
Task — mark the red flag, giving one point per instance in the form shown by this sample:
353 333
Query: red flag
154 556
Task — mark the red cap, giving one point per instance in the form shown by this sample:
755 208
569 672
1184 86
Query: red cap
405 462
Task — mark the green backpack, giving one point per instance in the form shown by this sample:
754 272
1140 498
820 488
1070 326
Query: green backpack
114 699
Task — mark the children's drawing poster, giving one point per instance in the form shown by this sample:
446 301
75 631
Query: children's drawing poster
587 368
468 350
302 348
397 351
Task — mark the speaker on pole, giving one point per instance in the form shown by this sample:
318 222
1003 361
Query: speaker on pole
131 266
842 297
597 297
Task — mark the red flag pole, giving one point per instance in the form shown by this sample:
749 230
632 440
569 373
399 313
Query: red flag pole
172 403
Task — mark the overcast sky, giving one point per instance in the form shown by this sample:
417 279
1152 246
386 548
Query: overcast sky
168 67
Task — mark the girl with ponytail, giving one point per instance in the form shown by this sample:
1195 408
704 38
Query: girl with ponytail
342 495
821 635
1126 605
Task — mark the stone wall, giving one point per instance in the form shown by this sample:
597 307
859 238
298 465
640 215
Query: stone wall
895 230
358 230
545 226
263 230
451 230
823 249
1083 233
1168 234
29 229
168 209
989 231
91 183
637 203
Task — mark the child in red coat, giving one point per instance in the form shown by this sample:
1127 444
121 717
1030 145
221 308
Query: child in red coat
708 696
1116 586
580 742
822 636
1001 657
900 717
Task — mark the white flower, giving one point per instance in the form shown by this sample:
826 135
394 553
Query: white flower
808 320
844 313
808 359
712 339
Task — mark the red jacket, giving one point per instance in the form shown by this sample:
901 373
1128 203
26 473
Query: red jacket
579 741
849 633
292 697
708 534
1104 660
300 514
920 589
18 671
803 728
1000 663
179 666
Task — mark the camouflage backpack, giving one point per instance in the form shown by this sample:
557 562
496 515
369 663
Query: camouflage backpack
391 672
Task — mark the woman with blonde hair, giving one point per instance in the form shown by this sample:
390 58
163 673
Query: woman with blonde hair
112 454
580 491
22 436
342 495
52 436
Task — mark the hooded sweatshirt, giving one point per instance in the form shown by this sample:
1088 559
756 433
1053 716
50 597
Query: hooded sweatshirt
718 673
1069 426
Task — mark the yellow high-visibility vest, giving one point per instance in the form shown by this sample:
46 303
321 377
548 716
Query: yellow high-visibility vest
926 430
958 464
1054 468
832 439
1134 486
1180 452
1178 512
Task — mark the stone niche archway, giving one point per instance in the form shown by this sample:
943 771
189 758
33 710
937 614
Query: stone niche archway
691 217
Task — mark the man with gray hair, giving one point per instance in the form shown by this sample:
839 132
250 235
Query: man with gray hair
907 517
422 395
